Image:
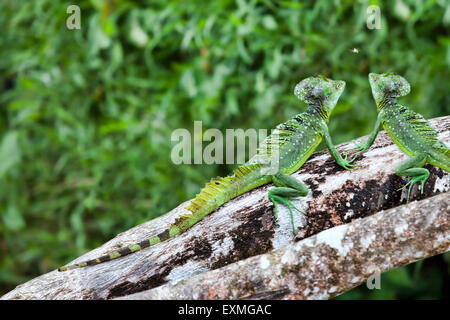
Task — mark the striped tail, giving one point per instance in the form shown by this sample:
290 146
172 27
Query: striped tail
121 252
213 195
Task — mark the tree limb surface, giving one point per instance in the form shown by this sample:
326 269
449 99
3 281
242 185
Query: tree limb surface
328 263
339 258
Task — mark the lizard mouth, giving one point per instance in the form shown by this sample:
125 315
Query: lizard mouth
373 77
340 85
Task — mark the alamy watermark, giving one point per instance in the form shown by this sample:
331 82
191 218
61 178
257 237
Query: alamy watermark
74 20
373 20
374 282
229 149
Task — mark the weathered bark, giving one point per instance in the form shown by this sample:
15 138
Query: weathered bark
329 263
245 226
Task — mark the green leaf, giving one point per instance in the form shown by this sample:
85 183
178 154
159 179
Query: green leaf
97 38
274 65
137 35
12 219
9 152
243 52
269 22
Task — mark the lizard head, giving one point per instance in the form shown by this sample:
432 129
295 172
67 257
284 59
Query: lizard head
388 85
320 91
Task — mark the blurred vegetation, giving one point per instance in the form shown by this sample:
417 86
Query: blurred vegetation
87 115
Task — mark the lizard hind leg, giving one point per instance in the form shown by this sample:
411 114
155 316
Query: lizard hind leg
413 168
287 189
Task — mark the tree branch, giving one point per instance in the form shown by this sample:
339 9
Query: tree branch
329 263
246 227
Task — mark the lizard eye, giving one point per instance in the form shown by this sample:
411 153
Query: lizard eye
338 86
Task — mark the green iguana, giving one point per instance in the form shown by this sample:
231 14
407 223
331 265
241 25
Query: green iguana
409 130
291 143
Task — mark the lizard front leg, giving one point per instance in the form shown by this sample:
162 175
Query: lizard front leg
343 162
372 136
287 189
413 168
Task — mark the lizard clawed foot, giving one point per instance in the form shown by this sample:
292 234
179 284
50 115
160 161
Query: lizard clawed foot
346 164
350 161
287 202
360 149
411 182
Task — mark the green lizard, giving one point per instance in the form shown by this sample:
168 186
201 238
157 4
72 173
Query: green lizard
408 129
291 143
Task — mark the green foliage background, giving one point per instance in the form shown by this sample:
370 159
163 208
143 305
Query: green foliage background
86 115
